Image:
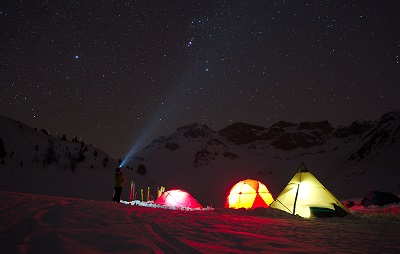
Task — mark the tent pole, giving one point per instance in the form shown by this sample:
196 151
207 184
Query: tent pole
295 199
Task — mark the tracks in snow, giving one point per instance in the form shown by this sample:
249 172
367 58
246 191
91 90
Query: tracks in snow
160 240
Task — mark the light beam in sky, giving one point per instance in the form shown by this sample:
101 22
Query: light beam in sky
163 112
191 76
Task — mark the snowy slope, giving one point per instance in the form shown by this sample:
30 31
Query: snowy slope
25 169
348 160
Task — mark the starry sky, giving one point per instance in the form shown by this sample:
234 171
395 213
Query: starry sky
118 74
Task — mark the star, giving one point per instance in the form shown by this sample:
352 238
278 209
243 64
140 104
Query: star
124 60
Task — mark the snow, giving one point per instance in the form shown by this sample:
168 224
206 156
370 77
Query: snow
171 207
32 223
23 170
54 208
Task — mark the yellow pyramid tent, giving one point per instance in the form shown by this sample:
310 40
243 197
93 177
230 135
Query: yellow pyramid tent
304 195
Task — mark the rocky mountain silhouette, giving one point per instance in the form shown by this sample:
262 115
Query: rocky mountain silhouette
206 162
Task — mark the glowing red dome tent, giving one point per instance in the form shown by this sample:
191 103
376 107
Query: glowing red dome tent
178 198
249 194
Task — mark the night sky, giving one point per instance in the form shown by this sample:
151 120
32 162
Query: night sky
119 73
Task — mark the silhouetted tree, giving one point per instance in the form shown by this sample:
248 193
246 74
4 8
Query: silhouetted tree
142 170
44 131
72 163
50 155
81 157
3 152
95 153
64 138
36 147
105 162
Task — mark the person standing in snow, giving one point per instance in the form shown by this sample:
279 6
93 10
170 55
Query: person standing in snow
119 182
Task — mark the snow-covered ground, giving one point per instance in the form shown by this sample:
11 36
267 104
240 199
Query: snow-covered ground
79 217
32 223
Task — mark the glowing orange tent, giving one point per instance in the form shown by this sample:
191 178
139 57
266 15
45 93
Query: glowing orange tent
249 194
178 198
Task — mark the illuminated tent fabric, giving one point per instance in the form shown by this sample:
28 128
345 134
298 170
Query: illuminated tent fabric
304 195
248 194
178 198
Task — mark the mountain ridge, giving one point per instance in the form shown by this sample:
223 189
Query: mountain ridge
206 162
284 135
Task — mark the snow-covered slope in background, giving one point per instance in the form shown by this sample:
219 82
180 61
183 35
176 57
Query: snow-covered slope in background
37 162
348 160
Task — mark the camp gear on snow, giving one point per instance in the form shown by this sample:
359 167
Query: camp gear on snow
379 198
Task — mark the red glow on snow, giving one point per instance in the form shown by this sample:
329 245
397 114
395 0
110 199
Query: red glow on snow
178 198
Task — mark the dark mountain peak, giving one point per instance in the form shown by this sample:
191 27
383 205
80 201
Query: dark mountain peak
290 141
356 128
324 126
242 133
385 134
277 129
195 130
240 126
282 125
161 139
306 135
390 116
359 128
